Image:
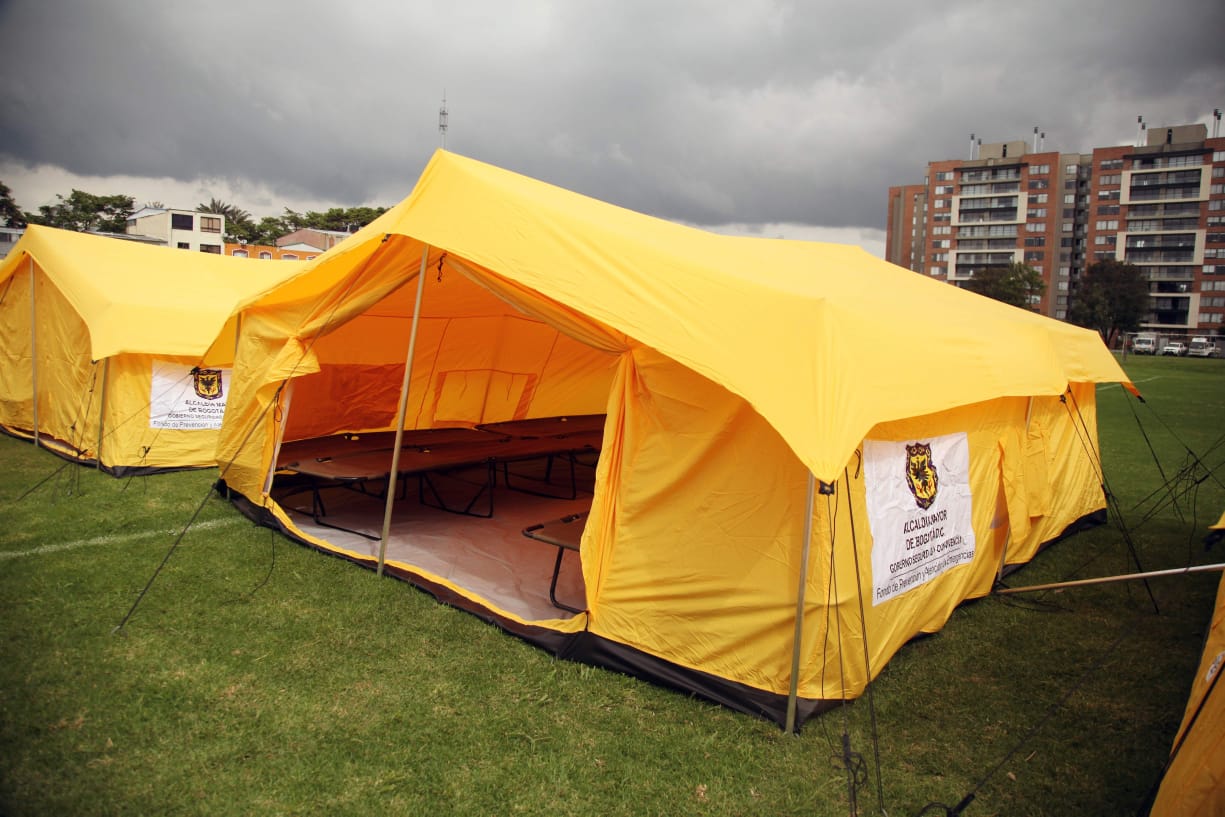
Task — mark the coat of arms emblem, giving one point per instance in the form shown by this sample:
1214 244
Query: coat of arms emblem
921 476
207 383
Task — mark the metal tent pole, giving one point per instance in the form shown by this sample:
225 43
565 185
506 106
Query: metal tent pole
286 400
403 411
796 642
106 368
1175 571
33 352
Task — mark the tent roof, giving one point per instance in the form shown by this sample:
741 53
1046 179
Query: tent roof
136 298
823 340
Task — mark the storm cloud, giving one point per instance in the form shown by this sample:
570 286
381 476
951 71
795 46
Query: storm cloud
755 114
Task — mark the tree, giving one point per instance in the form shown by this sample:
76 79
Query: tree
232 212
10 213
1112 298
341 219
84 212
1017 284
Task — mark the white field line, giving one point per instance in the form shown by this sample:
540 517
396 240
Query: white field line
117 537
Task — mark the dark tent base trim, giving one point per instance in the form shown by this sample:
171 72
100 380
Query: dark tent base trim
1090 520
71 453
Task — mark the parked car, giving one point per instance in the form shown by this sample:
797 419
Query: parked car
1144 345
1201 347
1177 348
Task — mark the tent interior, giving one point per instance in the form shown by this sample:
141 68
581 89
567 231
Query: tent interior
478 361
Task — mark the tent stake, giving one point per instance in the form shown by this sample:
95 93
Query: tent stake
403 411
1175 571
793 693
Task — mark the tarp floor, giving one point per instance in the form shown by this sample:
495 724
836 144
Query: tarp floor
488 557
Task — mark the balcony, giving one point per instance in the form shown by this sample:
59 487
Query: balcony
1160 256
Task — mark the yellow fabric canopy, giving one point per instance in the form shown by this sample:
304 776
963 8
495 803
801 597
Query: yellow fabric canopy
823 340
137 298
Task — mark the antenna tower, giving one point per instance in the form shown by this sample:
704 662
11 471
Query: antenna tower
442 120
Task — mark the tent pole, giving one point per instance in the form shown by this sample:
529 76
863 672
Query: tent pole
408 376
106 368
1174 571
793 693
286 402
33 352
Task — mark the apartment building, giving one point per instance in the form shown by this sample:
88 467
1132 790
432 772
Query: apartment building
1157 205
184 229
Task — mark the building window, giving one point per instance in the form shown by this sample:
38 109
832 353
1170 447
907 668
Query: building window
210 224
182 221
1040 198
946 230
1070 198
1039 170
265 255
944 176
935 271
215 249
1069 170
288 256
940 204
183 245
240 254
1112 164
1035 241
1111 224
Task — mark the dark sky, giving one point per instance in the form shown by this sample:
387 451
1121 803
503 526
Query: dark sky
783 118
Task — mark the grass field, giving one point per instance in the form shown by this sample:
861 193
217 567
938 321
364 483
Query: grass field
258 677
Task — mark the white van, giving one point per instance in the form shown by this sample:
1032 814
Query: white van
1144 345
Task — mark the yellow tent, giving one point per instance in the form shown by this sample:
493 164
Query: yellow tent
1194 781
126 346
809 455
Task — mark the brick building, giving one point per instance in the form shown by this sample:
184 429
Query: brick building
1157 205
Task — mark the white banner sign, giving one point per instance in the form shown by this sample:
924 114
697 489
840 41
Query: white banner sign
183 397
919 510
